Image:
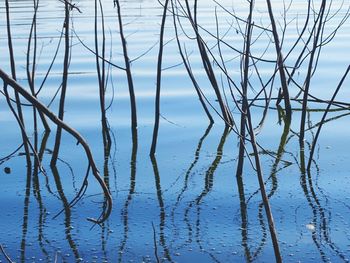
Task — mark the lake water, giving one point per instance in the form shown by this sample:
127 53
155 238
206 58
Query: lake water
186 204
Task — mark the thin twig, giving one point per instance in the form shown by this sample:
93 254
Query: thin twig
324 117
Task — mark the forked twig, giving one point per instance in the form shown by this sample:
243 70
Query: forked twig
72 6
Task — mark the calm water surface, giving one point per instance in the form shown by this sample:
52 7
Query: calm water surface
186 205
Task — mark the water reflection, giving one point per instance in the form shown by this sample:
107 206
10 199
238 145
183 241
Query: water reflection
162 216
187 177
132 185
26 212
208 185
209 174
67 214
196 158
244 217
321 217
43 241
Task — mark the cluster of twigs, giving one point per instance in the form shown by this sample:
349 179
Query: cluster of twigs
307 48
41 110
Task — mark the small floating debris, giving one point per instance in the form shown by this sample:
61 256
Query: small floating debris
310 227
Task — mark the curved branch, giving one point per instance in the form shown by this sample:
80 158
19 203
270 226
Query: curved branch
42 108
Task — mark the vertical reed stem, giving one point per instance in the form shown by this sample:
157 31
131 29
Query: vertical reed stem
309 72
226 114
128 71
280 63
13 73
313 146
242 133
188 69
64 82
159 79
264 196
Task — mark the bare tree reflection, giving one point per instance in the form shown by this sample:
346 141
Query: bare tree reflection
67 213
26 212
208 184
132 185
162 215
38 196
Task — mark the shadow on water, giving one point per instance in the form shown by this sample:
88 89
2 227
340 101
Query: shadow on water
321 216
244 217
280 151
249 254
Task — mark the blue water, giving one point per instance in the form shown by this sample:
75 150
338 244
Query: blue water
186 206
